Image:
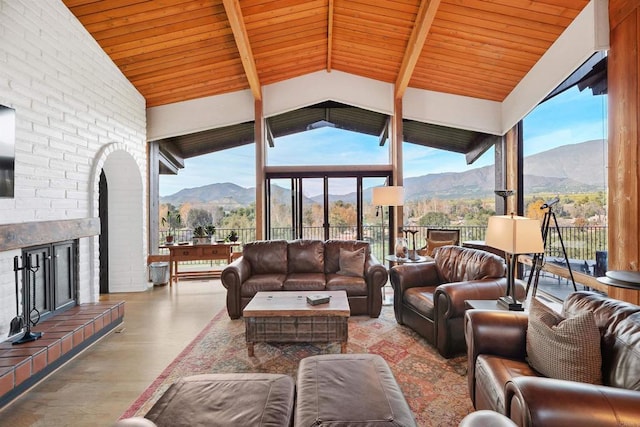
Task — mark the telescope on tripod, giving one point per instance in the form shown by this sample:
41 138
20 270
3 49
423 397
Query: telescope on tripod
538 259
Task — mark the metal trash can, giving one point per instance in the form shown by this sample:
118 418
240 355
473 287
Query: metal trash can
159 273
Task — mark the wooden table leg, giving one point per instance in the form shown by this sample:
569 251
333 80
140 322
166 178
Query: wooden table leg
250 349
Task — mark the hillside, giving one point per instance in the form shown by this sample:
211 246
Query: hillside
576 168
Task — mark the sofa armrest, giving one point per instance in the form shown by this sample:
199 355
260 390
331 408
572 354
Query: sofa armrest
533 401
500 333
232 277
449 298
375 275
449 308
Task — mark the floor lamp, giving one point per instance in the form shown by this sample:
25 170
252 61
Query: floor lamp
515 235
387 196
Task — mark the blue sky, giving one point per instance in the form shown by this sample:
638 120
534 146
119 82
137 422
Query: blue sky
569 118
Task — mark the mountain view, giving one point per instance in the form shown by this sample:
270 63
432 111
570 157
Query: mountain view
569 169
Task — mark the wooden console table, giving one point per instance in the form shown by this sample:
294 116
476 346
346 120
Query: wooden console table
180 253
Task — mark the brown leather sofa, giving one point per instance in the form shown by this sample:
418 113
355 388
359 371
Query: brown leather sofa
430 297
500 378
303 265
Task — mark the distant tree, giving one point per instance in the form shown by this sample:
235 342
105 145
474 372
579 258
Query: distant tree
434 218
580 222
198 216
342 214
240 218
533 209
478 218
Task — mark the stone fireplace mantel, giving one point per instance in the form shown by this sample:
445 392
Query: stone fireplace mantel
25 234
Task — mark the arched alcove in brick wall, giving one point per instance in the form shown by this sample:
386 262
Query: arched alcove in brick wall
126 229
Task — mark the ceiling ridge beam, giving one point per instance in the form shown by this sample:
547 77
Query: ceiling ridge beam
329 36
424 19
236 20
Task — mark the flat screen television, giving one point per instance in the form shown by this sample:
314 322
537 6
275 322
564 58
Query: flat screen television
7 150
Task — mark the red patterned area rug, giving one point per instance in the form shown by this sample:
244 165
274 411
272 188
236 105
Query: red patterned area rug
435 388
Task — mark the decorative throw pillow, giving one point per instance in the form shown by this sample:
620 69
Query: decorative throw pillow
433 244
566 349
352 262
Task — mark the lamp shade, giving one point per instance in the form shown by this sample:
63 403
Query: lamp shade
514 234
388 196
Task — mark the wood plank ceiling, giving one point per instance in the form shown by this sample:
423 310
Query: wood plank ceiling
177 50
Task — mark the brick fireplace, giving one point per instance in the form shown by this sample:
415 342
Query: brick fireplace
64 334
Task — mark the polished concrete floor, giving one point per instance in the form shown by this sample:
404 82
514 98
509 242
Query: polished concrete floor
96 387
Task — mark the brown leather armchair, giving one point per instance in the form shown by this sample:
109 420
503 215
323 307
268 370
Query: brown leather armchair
500 378
430 297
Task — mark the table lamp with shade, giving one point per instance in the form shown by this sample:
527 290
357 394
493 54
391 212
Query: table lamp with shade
515 235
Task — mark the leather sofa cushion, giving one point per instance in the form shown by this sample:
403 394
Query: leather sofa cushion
306 256
492 373
625 355
266 256
421 300
262 283
349 390
332 252
304 282
610 315
456 264
353 286
226 399
351 263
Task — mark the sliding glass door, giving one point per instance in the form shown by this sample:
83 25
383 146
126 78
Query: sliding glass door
326 206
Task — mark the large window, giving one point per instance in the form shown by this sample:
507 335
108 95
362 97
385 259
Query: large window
565 165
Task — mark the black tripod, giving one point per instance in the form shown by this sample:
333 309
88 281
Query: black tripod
538 259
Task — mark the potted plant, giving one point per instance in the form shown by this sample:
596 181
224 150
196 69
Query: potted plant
172 221
210 230
200 236
233 236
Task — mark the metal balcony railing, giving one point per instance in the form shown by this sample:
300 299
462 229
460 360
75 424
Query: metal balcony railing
581 243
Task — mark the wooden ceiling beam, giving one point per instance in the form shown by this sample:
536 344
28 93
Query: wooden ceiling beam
424 19
234 14
329 35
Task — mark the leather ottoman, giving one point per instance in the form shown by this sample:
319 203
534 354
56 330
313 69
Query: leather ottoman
226 400
349 389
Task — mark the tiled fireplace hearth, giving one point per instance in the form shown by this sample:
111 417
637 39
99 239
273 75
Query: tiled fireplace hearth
64 334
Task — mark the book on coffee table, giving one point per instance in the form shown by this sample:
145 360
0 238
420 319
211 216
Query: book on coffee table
318 299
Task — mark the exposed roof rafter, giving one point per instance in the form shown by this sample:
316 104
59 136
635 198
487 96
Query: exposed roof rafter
329 35
426 13
234 14
180 51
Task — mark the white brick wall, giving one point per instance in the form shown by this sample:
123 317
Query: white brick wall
74 110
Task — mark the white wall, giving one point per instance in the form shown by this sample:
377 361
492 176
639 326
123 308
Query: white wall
71 101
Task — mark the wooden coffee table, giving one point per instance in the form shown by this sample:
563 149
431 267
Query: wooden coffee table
285 316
